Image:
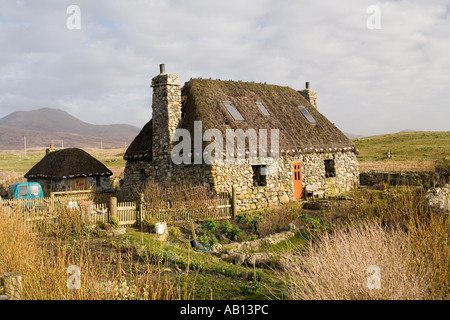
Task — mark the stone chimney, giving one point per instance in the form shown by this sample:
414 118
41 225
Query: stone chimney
309 95
166 112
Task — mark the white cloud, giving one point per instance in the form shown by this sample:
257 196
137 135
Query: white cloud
368 81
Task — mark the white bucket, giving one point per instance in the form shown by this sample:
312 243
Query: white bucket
159 227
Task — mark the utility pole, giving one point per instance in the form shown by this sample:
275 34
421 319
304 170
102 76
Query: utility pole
25 144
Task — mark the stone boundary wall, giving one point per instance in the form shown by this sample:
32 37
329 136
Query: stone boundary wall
404 178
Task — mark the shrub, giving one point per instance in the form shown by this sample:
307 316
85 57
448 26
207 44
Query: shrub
174 232
315 224
210 226
100 225
114 221
240 218
253 221
236 233
149 224
226 229
208 239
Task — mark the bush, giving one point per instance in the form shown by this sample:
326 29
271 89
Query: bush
210 226
208 239
100 225
149 224
174 232
114 222
236 233
226 229
240 218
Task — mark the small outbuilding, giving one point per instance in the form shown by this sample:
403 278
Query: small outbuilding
69 170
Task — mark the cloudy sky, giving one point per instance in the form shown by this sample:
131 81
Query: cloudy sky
369 80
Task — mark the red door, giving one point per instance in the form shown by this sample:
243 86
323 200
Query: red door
297 180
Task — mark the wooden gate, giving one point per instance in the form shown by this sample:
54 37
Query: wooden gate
297 180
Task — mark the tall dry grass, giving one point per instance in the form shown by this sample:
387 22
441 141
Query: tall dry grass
277 219
198 201
393 230
105 273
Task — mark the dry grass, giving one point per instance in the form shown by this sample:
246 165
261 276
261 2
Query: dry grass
195 200
397 166
105 273
395 232
276 219
336 267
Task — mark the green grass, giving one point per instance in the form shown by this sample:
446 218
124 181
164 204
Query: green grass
424 145
214 276
21 164
18 162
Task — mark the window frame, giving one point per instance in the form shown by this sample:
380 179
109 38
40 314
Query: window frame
262 109
330 168
259 179
308 116
233 111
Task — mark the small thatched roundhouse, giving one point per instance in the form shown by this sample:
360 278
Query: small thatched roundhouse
69 170
310 150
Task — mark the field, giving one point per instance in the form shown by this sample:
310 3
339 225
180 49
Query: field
405 146
16 163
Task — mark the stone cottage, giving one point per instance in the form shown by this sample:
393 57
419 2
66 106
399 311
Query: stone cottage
69 170
297 146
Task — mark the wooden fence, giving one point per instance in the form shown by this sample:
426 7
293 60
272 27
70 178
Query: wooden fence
223 206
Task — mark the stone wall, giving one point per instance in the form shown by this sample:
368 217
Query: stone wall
222 176
137 172
439 198
372 178
66 184
279 181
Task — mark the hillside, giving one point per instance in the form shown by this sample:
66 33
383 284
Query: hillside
45 126
424 145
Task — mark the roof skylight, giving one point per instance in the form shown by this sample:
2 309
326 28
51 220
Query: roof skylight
262 109
233 111
307 115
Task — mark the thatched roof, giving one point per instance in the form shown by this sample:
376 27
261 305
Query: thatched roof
68 163
141 147
203 101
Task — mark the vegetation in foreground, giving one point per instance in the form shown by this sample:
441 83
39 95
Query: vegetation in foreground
392 233
392 229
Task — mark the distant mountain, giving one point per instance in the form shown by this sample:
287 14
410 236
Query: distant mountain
47 126
353 136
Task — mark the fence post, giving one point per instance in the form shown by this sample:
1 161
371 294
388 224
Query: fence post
233 202
13 286
141 208
112 208
52 202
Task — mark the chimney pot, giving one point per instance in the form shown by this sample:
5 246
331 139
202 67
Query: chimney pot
307 85
162 68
